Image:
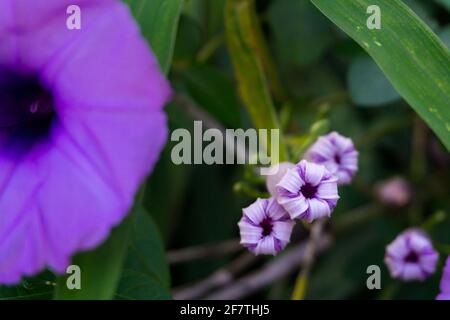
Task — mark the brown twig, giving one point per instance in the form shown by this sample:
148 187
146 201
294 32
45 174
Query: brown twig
271 272
191 108
203 251
219 278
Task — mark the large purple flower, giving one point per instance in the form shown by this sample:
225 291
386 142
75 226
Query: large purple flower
337 153
445 282
411 256
265 227
81 125
308 191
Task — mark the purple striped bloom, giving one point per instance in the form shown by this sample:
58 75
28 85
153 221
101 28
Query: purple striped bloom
265 227
81 126
445 282
411 256
308 191
274 179
337 154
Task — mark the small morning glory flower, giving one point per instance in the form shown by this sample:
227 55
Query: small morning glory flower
308 191
411 256
81 126
337 154
445 282
395 192
265 227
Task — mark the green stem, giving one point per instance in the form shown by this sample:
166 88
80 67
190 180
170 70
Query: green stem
244 41
301 284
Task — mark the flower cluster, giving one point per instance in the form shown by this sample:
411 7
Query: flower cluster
307 190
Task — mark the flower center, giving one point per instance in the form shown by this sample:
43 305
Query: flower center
337 158
412 257
308 191
267 227
26 107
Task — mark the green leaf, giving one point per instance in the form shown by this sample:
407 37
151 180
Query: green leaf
412 57
188 42
293 22
39 287
368 85
146 274
244 44
100 268
214 91
158 20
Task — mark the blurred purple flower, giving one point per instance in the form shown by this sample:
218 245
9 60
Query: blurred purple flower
274 179
337 154
308 191
265 227
395 192
411 256
445 282
81 125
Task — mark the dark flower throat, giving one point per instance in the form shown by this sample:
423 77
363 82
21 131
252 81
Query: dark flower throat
26 107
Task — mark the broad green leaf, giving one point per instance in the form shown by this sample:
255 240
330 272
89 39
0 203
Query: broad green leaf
39 287
412 57
100 268
188 43
425 12
145 273
158 20
214 92
207 13
368 85
293 22
243 37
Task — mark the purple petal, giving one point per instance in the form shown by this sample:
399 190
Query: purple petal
273 180
256 212
291 182
282 230
67 191
328 190
318 209
412 271
294 206
314 173
275 211
266 246
445 281
250 234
